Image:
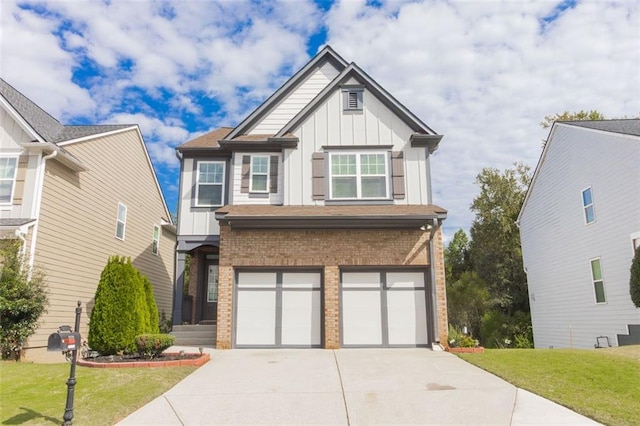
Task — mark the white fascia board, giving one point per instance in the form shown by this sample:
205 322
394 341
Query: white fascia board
97 135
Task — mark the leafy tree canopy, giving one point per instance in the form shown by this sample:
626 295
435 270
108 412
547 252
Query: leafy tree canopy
571 116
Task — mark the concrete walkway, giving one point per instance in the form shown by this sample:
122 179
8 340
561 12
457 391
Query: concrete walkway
346 387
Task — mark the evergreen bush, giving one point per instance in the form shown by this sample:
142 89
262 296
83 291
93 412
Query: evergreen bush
121 311
152 308
23 299
634 281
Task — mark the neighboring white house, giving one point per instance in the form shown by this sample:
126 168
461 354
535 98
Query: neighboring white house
579 226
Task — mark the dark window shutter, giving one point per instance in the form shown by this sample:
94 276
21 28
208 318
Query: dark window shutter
318 175
397 170
246 170
273 174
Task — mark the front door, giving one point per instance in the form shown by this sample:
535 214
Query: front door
210 292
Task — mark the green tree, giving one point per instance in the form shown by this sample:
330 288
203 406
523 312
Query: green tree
23 299
467 302
634 281
456 256
495 238
571 116
121 311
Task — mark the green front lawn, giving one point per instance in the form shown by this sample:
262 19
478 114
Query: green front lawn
37 393
603 384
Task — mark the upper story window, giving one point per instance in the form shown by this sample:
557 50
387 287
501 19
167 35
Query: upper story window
352 98
8 170
598 282
156 239
363 175
259 173
121 222
587 204
210 183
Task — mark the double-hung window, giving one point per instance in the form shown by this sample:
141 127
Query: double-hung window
598 282
8 170
587 204
259 173
156 239
210 183
121 222
359 175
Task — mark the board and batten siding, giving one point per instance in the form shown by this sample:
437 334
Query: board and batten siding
77 225
329 125
557 245
195 221
296 100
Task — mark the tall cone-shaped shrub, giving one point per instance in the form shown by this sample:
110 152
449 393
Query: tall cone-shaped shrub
152 307
121 311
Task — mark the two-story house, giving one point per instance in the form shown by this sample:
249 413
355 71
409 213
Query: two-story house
311 223
75 195
579 227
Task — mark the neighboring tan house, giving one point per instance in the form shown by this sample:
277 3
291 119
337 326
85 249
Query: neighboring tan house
311 224
579 225
76 195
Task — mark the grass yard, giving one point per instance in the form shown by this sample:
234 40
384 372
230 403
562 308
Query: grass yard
603 384
37 393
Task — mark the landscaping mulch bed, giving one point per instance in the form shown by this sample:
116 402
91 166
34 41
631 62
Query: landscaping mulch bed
169 359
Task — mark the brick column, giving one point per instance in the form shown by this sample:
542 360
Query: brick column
225 305
331 307
441 287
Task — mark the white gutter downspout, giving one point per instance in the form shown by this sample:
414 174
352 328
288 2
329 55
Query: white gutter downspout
36 207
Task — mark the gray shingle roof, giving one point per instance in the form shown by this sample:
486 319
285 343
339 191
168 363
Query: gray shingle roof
49 129
623 126
14 223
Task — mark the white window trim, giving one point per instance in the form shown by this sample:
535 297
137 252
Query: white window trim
13 183
358 174
267 173
124 222
593 281
584 207
198 183
156 231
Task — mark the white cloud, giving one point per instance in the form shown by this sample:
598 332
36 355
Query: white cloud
484 74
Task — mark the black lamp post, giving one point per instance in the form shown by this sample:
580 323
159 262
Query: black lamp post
71 383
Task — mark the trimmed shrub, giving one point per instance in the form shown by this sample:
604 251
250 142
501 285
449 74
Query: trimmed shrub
151 345
23 299
152 308
634 281
121 312
457 339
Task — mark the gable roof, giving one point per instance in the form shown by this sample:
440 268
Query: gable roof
55 135
327 54
354 71
208 140
625 126
629 127
44 125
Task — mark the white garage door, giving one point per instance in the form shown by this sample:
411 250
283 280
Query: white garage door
384 309
278 309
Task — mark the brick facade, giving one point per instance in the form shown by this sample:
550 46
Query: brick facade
329 249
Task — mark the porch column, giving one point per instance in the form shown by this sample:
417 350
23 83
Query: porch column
178 289
225 305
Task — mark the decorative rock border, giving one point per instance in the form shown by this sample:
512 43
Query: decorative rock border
477 350
197 362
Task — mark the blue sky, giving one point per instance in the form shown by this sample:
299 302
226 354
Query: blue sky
484 74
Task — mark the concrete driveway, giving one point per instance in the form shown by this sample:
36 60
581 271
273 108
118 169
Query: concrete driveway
346 387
